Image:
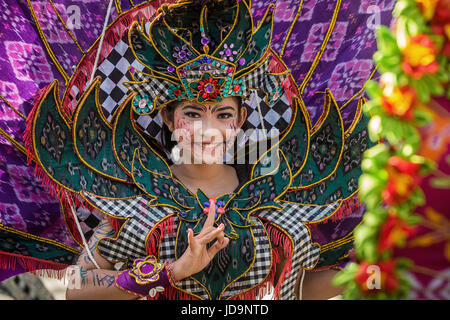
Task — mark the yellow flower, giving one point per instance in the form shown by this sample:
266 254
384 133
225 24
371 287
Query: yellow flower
419 56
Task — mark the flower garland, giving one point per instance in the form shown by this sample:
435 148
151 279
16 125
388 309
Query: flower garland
413 60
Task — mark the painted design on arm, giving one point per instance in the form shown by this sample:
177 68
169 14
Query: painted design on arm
103 280
102 230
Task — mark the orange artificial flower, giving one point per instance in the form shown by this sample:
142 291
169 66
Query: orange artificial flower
419 57
399 102
437 12
403 178
393 232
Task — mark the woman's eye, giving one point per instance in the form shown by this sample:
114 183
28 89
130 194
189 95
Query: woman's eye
191 114
225 115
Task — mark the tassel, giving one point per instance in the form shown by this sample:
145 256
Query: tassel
166 227
28 134
115 223
282 241
347 208
9 261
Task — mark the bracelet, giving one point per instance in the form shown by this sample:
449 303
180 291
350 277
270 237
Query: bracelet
147 277
169 268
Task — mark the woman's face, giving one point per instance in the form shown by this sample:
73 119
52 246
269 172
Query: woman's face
204 131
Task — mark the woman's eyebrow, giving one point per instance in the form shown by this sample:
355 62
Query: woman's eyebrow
200 108
222 108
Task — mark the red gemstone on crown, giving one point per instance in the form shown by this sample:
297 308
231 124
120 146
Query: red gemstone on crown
208 88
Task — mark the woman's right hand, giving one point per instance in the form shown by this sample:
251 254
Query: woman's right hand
197 256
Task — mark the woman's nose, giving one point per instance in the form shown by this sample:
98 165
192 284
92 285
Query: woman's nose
207 131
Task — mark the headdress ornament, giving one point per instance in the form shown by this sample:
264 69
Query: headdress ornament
203 55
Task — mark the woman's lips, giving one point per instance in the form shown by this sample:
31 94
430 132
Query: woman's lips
207 145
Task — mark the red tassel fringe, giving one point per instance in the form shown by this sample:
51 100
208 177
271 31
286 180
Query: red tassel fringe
114 223
280 241
166 227
347 208
9 261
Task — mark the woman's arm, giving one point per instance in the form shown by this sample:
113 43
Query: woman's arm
105 283
318 285
96 283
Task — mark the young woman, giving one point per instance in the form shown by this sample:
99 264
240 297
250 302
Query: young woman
205 132
180 222
194 122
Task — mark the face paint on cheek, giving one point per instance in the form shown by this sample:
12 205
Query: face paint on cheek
233 124
183 129
230 134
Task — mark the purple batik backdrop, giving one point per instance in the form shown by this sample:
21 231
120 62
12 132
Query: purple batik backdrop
326 44
346 62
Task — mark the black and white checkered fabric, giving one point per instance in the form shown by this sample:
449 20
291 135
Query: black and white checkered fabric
89 220
309 213
260 78
305 253
131 241
154 87
272 118
260 269
114 71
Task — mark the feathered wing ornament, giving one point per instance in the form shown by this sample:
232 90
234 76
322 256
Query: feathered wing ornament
99 144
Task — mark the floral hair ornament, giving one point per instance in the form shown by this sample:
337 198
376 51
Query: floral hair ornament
202 58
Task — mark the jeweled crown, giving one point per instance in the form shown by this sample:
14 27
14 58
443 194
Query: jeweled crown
202 51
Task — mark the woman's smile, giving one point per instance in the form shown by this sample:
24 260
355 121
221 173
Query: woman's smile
206 146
